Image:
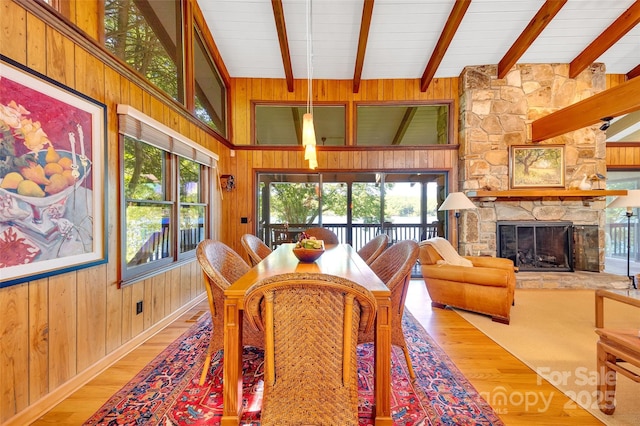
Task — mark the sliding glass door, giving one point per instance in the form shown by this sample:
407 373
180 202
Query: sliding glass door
356 206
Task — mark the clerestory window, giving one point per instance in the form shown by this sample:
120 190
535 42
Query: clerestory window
148 36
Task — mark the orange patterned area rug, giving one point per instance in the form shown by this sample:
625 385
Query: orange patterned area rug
166 392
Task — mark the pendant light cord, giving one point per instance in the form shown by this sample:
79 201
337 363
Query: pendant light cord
309 57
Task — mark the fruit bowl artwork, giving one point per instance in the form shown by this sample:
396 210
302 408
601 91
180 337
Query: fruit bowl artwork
308 251
50 190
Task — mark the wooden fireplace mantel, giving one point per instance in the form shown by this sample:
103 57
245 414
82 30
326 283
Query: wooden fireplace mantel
547 193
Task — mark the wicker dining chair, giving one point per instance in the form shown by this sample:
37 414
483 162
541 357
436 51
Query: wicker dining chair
393 267
327 235
221 267
374 248
256 248
311 324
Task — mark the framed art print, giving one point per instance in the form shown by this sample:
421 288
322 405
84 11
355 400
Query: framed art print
52 177
536 166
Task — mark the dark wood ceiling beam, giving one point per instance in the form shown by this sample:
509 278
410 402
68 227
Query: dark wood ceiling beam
633 73
535 27
453 22
365 25
281 28
604 41
618 100
404 125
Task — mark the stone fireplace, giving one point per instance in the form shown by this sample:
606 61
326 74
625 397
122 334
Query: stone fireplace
496 114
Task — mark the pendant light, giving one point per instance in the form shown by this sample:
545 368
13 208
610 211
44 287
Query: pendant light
308 131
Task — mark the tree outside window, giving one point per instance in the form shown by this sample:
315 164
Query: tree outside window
145 35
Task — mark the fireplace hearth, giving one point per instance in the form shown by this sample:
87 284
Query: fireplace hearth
537 245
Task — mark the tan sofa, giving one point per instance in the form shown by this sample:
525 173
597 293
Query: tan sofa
487 287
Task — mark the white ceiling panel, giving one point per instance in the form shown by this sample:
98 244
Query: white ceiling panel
577 24
334 29
404 34
245 34
624 54
487 32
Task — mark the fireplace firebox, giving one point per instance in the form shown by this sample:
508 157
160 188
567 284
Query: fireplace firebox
536 245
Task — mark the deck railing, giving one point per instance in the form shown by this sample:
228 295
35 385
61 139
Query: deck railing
617 240
157 244
356 234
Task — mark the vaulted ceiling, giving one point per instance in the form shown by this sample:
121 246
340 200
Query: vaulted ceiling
405 38
386 39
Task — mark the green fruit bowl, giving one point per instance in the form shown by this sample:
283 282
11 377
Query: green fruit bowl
306 255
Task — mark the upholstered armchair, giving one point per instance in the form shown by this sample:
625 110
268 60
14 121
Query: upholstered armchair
484 285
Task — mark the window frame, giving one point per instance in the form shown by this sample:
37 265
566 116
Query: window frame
203 179
167 42
395 104
139 127
133 271
200 39
297 126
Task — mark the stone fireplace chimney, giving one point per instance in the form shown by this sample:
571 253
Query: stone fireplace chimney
496 114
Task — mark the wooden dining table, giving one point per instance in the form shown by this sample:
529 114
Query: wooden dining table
339 260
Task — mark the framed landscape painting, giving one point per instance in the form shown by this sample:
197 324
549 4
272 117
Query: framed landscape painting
536 166
52 177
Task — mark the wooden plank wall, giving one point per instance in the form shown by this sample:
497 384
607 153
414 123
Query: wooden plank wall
246 162
622 155
54 329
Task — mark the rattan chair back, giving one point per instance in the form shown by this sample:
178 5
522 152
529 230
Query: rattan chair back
394 267
311 324
256 249
221 267
327 235
374 247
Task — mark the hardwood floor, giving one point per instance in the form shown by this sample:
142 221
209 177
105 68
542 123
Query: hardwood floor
517 394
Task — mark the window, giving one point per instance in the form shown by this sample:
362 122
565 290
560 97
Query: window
405 125
147 35
622 232
282 124
210 93
192 207
167 191
356 206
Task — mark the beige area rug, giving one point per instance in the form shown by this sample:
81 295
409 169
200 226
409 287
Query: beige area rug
552 331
